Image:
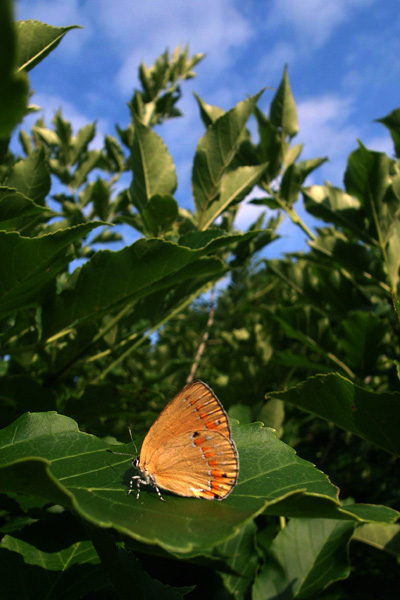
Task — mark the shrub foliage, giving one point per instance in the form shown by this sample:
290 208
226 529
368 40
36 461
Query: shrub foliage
97 332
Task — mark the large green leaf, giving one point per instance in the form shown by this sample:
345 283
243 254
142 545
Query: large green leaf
31 177
36 40
374 417
216 151
31 263
111 280
243 560
17 211
152 165
44 455
235 185
307 556
14 86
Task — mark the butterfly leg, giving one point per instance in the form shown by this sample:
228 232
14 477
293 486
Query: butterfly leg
139 480
158 492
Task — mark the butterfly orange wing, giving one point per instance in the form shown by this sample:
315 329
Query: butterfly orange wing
189 449
200 464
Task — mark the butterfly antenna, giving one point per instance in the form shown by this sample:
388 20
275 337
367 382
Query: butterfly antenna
132 440
120 453
126 453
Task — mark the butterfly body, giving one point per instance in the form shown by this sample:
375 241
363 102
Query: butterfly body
189 449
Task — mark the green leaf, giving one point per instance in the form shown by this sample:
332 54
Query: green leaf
301 570
383 537
396 306
36 40
49 564
84 169
80 142
153 167
243 560
14 87
114 153
100 195
31 177
333 205
369 177
292 154
374 417
216 151
294 177
208 112
17 211
272 414
111 280
283 111
160 213
49 136
361 340
32 263
125 571
235 185
337 251
392 122
271 145
44 455
212 240
393 256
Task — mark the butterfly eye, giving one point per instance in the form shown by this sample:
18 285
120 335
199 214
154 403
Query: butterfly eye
135 462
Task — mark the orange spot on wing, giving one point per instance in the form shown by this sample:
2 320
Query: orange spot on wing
206 494
199 441
217 473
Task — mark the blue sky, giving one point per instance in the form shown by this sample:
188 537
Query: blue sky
343 57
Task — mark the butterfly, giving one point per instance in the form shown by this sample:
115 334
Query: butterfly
189 449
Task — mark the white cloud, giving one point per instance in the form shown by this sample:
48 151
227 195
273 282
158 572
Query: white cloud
304 27
141 32
313 21
326 131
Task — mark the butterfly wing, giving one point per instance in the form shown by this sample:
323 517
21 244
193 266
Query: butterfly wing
189 449
195 407
198 464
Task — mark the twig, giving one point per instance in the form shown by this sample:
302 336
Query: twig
202 346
